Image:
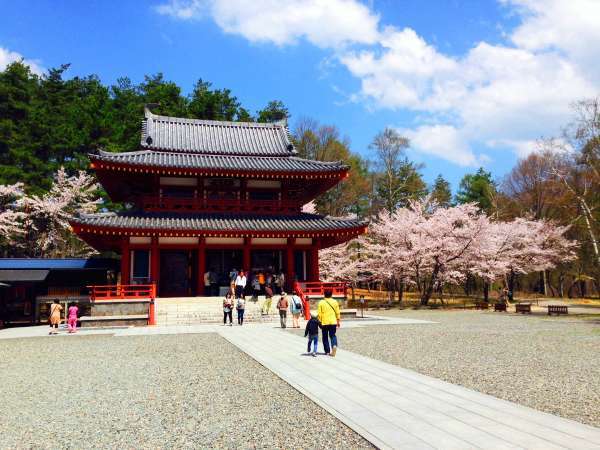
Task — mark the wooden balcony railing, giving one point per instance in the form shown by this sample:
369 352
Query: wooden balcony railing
122 292
186 204
318 288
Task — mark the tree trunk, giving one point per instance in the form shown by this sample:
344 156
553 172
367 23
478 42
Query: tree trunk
467 285
400 291
486 291
511 285
428 289
561 284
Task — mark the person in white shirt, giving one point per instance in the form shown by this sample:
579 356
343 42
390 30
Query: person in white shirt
240 284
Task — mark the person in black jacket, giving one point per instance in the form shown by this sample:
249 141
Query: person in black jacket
312 331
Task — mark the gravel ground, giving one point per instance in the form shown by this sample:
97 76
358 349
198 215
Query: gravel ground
550 364
185 391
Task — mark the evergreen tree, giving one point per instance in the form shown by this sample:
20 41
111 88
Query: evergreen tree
217 104
275 111
478 188
441 193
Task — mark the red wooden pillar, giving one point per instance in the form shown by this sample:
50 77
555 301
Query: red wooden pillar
314 260
201 266
155 262
290 275
247 261
125 261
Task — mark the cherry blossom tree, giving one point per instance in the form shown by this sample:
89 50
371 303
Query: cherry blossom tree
341 262
431 246
310 208
46 223
11 218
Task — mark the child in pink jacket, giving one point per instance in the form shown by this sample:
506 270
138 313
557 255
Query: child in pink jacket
72 319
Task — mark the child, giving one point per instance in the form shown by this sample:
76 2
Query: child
54 319
72 320
240 307
227 309
312 331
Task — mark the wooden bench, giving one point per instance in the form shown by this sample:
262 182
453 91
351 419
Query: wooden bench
500 307
523 308
482 305
557 309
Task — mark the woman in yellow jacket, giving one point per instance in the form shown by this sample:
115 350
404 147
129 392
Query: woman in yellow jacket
328 314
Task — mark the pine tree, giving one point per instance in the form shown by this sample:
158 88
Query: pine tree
440 192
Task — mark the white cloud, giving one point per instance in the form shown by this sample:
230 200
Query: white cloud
324 23
511 94
445 142
7 57
494 95
567 25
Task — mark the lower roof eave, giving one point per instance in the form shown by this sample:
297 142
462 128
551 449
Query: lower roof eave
111 238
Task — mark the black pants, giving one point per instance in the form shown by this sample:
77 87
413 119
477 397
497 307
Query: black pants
227 314
329 334
239 291
283 317
214 289
240 316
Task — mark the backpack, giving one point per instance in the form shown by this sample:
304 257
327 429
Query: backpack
297 302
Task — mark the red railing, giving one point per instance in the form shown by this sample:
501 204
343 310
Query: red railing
318 288
126 292
304 298
122 292
308 289
187 204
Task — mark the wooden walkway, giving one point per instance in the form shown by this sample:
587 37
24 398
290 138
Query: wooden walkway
397 408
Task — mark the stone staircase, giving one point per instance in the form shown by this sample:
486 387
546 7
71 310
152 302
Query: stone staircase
206 310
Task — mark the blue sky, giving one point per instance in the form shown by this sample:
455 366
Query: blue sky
472 82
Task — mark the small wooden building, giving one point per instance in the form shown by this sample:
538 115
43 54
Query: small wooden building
213 196
29 285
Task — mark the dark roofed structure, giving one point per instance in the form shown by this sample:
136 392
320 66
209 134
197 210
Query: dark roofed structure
215 137
209 195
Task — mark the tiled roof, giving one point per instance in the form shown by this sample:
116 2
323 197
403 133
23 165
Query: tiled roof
221 162
217 222
215 137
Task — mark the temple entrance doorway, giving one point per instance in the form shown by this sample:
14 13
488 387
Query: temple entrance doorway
177 273
267 261
222 262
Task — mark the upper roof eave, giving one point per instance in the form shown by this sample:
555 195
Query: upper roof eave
210 163
167 133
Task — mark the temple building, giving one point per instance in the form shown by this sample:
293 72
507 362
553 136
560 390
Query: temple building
212 196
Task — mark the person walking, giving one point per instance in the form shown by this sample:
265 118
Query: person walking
207 290
227 310
54 319
277 284
233 275
268 299
312 331
255 288
240 307
72 320
282 306
240 284
261 279
328 314
296 308
214 283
